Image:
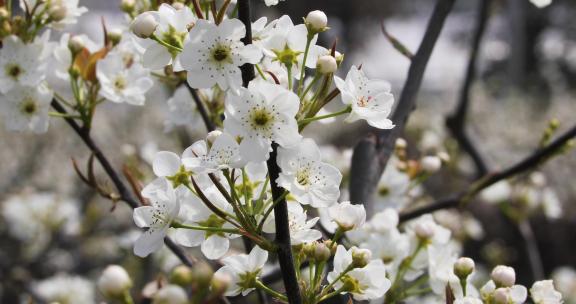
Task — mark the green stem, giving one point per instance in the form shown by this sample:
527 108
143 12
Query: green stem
126 298
260 72
310 85
311 119
270 291
289 69
261 224
201 228
166 44
306 50
57 114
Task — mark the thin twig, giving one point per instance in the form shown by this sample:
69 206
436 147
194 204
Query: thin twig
366 172
123 191
456 122
201 108
533 160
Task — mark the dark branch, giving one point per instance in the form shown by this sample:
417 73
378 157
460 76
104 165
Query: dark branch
201 108
533 160
363 183
244 15
456 121
123 191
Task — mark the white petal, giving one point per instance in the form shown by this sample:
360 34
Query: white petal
166 163
215 247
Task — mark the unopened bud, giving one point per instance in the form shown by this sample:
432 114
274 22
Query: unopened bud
424 230
501 296
316 21
322 252
181 275
463 267
178 5
339 57
75 44
503 276
171 294
57 12
401 143
211 137
431 164
360 257
144 25
114 36
445 157
114 281
326 64
128 6
220 283
202 274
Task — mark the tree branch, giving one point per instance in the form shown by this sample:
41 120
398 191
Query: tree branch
201 108
123 191
244 15
457 120
538 157
366 172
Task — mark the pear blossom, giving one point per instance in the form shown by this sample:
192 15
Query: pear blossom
393 187
272 2
63 288
308 179
121 83
26 108
543 292
262 113
171 25
300 227
515 294
347 216
468 300
214 53
212 244
242 269
223 153
157 217
114 281
20 64
565 281
182 110
368 282
541 3
370 100
66 12
316 20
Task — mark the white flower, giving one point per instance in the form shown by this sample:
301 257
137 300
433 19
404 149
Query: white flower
370 99
224 153
390 247
497 192
157 217
516 294
20 63
114 281
214 53
316 20
271 2
543 292
172 27
369 282
503 276
300 227
287 43
170 294
565 280
348 216
242 266
541 3
393 187
26 108
307 178
63 288
261 114
182 110
195 213
468 300
121 83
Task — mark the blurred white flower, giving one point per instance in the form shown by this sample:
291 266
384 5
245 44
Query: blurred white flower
63 12
240 267
347 216
20 64
170 294
182 110
541 3
26 108
565 281
497 193
543 292
65 289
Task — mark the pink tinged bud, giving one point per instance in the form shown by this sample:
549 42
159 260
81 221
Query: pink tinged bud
316 21
501 296
504 276
144 25
463 267
326 64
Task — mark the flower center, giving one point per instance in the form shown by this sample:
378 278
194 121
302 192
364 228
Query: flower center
29 106
214 222
261 118
120 83
303 177
14 71
364 101
221 53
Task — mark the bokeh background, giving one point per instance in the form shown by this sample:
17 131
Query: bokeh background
526 77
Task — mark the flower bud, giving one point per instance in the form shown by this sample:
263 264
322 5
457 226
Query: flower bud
445 157
322 252
170 294
128 6
57 12
114 281
339 57
503 276
220 283
144 25
178 5
181 275
75 44
500 296
4 14
211 137
431 164
360 257
201 275
463 267
424 230
316 21
114 36
326 64
401 143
